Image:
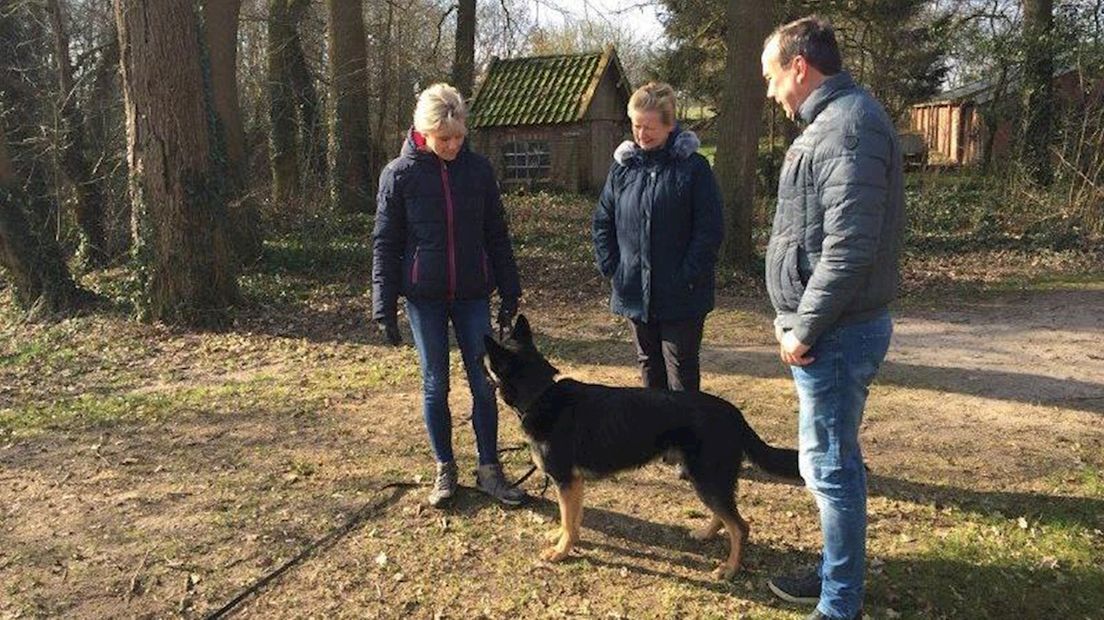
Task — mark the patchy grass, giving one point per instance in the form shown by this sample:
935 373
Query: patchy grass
85 410
155 472
1036 561
44 348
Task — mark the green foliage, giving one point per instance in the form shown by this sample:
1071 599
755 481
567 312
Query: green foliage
321 243
46 348
708 151
552 226
987 36
960 210
31 256
589 36
85 410
895 47
308 254
951 203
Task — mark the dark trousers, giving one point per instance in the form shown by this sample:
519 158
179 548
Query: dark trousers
668 352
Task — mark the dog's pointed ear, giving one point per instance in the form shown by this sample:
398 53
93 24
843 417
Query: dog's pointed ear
491 345
522 332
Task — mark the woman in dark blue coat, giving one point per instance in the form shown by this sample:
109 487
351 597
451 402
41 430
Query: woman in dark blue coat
441 242
657 230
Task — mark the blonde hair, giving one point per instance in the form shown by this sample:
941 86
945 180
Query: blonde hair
655 97
440 109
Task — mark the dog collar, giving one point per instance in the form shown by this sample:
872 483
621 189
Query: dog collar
524 407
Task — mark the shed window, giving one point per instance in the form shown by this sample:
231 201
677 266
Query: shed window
529 159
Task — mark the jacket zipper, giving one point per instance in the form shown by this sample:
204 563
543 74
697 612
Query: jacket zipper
449 224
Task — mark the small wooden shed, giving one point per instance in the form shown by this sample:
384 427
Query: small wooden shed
952 126
551 121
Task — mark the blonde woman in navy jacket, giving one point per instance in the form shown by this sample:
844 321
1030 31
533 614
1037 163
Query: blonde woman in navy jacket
441 242
657 230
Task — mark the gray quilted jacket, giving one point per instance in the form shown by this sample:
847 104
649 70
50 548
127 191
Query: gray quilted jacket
833 252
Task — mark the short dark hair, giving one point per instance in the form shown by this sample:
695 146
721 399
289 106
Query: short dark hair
812 38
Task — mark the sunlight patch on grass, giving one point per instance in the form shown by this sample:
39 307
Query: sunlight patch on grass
46 346
383 371
23 352
87 409
983 568
1020 542
1026 560
1087 481
263 393
1091 281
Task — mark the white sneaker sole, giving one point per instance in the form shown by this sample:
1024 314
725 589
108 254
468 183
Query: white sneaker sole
800 600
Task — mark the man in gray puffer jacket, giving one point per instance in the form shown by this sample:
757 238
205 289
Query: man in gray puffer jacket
831 271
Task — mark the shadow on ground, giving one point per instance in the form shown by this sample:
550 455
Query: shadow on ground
761 363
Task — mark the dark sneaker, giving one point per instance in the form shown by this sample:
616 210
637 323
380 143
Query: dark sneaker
490 480
444 486
800 589
816 615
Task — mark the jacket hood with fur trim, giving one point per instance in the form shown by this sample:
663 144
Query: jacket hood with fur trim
681 144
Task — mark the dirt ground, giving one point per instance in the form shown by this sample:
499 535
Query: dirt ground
167 471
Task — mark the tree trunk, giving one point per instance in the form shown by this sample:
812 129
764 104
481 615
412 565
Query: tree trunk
87 187
284 138
18 250
991 114
188 269
740 122
29 253
220 30
382 134
105 123
351 176
1038 89
463 66
312 128
30 256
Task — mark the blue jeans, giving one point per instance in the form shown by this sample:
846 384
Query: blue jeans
471 320
832 394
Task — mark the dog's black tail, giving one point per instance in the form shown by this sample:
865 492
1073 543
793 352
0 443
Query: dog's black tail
778 461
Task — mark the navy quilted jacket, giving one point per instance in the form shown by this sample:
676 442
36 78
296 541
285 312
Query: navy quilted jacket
657 230
440 232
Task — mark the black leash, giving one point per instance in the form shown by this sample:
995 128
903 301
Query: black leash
322 543
518 482
532 468
337 533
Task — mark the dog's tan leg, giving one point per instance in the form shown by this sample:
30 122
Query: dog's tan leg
570 500
708 531
552 553
738 531
577 517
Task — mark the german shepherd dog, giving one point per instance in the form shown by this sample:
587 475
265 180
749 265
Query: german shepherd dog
578 430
